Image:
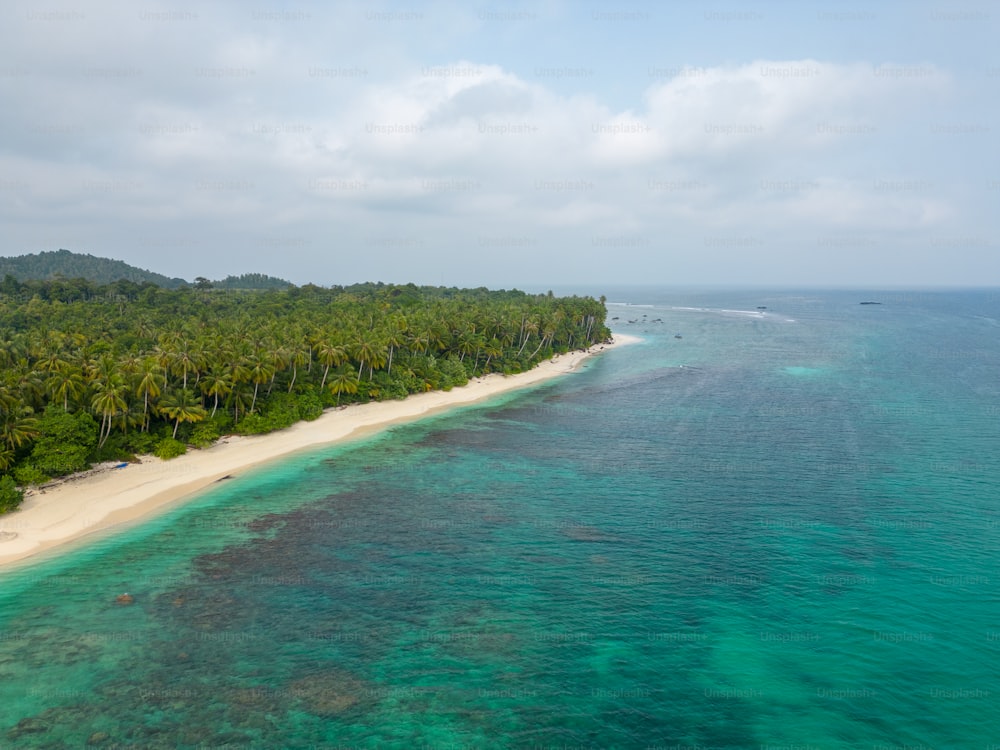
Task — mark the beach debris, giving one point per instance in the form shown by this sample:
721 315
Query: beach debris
125 598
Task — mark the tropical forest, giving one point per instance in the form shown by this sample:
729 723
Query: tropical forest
95 372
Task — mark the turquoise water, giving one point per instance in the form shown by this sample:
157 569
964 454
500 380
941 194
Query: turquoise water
779 530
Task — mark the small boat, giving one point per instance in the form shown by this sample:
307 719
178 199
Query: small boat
678 336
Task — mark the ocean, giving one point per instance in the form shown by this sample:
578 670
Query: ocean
774 523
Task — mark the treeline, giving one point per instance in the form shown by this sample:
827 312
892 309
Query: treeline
96 373
251 281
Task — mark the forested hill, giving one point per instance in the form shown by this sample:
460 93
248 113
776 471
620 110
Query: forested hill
51 265
95 373
47 266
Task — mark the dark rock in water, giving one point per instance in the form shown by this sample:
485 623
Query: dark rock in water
330 692
124 599
588 534
269 522
30 725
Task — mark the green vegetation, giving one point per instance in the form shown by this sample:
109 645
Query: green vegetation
95 373
10 495
251 281
72 268
50 265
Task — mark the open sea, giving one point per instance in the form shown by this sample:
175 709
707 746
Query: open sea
774 528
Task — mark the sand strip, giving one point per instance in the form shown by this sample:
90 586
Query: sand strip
97 501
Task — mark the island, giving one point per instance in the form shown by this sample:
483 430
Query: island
113 375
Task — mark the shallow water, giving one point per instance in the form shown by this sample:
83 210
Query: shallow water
780 529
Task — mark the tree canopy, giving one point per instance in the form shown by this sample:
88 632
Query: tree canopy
103 372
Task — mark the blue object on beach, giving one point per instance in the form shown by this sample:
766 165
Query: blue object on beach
122 466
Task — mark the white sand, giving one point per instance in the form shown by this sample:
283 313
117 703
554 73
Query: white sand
100 500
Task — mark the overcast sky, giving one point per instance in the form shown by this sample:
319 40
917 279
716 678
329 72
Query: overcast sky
499 144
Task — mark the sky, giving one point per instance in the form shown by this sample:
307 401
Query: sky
559 142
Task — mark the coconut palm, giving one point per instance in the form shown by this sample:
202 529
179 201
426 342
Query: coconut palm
109 401
18 428
493 348
66 384
181 406
343 381
297 356
148 386
368 350
330 353
261 371
216 384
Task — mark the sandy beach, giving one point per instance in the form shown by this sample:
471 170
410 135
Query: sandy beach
101 500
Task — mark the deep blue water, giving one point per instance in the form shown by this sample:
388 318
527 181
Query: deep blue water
756 528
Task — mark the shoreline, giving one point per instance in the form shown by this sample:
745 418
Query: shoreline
105 498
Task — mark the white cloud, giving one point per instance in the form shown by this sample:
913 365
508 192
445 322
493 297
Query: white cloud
269 125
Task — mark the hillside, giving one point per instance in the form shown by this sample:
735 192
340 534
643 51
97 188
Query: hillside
50 265
46 266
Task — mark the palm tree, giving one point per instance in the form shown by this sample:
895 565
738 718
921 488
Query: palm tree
493 348
216 384
297 356
330 354
51 361
148 386
109 401
279 358
181 406
527 328
239 398
394 337
260 372
18 428
418 343
185 358
343 381
367 350
468 342
549 328
65 384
